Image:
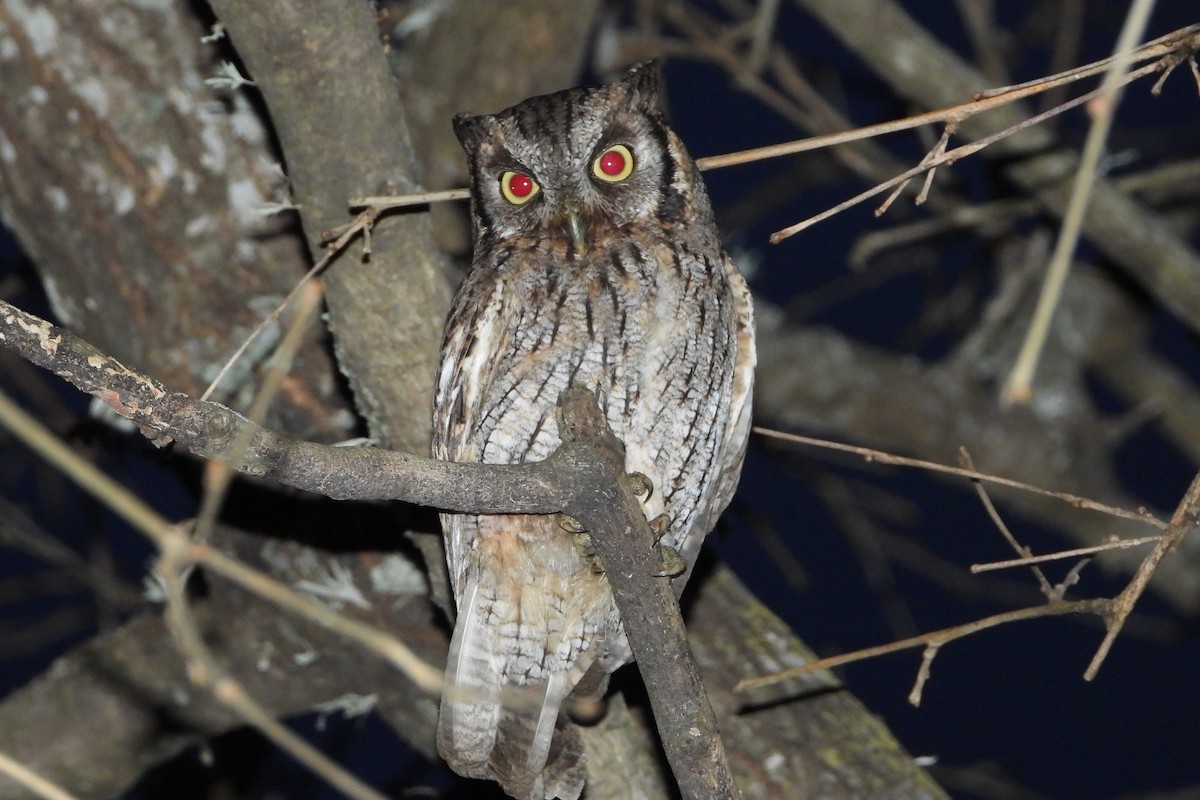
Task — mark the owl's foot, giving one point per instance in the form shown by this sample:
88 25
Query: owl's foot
643 487
673 564
582 540
570 524
585 548
659 526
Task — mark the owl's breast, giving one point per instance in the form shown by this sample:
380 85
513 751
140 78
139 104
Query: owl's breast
648 326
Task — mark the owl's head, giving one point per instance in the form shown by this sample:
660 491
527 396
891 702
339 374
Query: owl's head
580 166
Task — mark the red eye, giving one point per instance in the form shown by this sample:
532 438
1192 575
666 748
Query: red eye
613 165
517 187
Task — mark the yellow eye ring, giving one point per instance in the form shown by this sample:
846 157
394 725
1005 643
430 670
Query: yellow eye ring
518 188
613 165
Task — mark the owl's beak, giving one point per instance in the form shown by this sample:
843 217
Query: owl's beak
576 228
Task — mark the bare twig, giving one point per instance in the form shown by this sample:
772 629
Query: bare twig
1159 48
764 28
31 780
174 564
1020 549
1018 387
936 638
344 235
923 672
217 474
951 156
1185 518
1116 544
388 202
165 535
868 454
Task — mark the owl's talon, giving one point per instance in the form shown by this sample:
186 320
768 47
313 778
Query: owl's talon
583 545
673 564
570 524
659 526
643 487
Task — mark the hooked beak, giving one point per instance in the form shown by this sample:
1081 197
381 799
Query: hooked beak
575 228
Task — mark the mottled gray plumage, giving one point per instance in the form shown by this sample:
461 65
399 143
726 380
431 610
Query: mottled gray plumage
617 281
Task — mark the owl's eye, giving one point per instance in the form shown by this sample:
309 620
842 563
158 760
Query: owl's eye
613 165
518 188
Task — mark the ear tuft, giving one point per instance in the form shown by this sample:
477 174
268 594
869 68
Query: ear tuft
472 129
643 82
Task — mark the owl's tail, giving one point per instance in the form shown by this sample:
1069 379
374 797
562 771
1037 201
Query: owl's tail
508 736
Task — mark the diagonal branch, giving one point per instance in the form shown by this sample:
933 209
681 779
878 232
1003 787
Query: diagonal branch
649 612
1183 521
211 430
584 478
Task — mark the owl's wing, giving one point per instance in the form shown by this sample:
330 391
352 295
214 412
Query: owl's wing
473 334
737 433
481 733
466 370
484 734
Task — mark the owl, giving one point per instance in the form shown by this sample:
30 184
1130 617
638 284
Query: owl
597 261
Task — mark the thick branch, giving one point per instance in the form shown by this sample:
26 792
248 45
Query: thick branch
625 546
122 703
585 478
343 473
158 251
344 133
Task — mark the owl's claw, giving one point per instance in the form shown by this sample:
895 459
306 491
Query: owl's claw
581 538
570 524
659 526
643 487
583 546
673 564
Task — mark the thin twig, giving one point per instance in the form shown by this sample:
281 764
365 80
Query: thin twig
31 780
1185 518
217 473
345 234
868 454
1020 549
1018 388
174 564
387 202
764 28
1116 544
983 101
938 638
923 673
159 530
951 156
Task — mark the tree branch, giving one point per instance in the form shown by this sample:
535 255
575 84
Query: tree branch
344 132
585 478
625 547
211 430
923 69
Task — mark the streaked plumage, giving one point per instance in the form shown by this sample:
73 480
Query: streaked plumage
581 274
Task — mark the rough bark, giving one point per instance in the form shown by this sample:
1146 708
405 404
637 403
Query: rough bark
338 117
138 192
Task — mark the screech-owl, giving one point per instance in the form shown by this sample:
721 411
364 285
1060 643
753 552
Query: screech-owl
597 261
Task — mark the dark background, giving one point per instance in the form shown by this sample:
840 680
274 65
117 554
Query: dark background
1006 713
